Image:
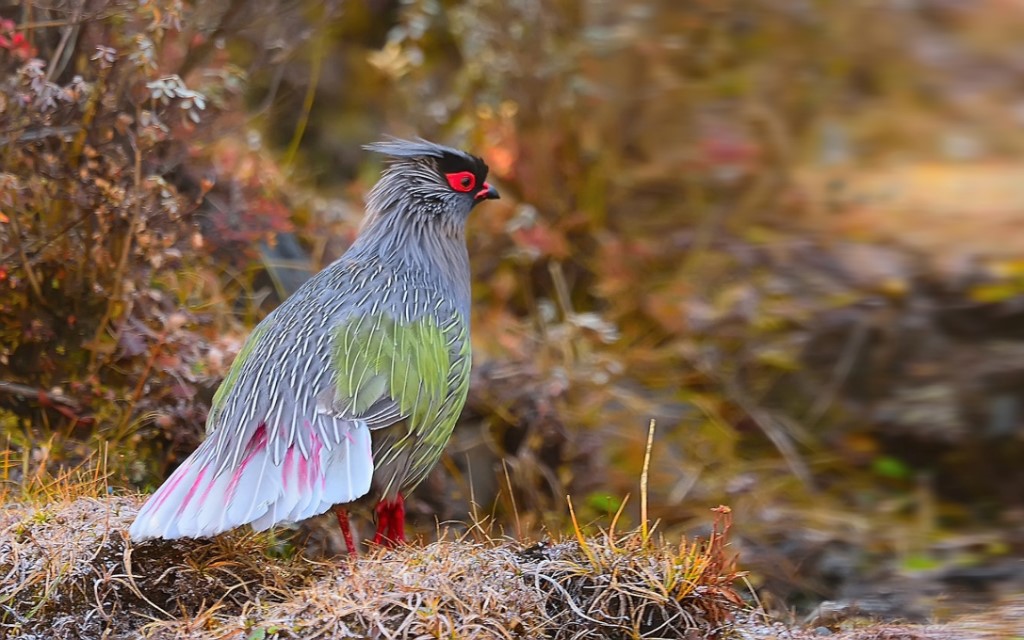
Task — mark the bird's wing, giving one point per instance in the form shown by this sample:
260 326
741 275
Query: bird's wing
388 370
414 369
289 429
272 456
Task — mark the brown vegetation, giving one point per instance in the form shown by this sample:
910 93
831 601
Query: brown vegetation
725 216
69 571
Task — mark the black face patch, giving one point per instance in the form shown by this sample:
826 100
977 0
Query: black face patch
449 163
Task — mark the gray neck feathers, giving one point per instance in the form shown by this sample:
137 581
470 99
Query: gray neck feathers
410 224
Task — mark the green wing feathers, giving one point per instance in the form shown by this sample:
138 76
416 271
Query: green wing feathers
421 366
231 379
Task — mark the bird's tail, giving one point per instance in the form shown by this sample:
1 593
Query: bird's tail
198 500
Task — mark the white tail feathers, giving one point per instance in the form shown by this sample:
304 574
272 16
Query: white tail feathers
197 502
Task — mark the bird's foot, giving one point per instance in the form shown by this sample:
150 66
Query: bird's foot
390 522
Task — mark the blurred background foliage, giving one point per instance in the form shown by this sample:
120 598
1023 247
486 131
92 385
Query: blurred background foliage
788 231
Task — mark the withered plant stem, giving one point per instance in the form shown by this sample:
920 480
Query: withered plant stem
644 527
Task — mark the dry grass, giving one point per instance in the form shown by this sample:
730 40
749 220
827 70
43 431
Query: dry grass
67 570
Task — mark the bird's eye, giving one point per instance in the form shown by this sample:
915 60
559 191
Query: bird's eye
463 181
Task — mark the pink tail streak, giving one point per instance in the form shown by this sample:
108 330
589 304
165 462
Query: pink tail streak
198 502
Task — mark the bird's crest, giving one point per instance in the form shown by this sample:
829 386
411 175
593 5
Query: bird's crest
448 159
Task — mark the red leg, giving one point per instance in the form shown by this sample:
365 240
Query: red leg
383 523
346 530
390 522
397 532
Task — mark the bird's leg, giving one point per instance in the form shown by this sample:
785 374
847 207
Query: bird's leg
390 522
383 523
346 530
396 525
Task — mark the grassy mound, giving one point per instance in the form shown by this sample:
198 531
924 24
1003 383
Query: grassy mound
69 571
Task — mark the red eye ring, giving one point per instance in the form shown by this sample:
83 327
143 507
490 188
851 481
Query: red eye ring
462 181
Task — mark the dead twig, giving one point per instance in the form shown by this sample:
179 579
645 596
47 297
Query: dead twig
44 397
33 279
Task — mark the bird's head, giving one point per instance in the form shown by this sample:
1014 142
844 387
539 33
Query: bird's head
428 180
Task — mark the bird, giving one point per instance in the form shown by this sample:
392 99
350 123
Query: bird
347 392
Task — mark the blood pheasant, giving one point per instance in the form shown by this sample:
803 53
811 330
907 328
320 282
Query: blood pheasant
351 388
